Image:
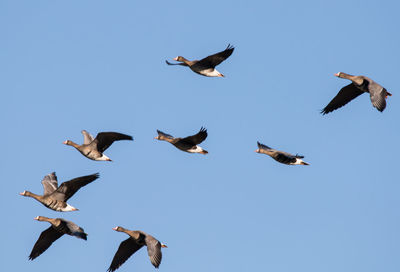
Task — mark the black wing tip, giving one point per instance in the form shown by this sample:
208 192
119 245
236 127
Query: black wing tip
31 258
230 47
203 129
167 62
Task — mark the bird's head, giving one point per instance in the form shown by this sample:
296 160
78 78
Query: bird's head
120 229
39 218
179 58
338 74
24 193
67 142
162 245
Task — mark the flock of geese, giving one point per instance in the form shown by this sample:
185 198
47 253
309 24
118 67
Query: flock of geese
55 197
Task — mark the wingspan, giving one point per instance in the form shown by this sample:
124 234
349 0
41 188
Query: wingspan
87 137
105 139
160 133
214 60
345 95
50 183
45 240
154 250
180 63
262 146
197 138
69 188
378 99
125 250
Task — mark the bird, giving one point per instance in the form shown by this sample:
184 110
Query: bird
58 228
136 240
206 66
358 86
93 148
55 197
280 156
188 144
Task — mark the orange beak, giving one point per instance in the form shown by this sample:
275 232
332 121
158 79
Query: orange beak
162 245
337 74
175 58
65 142
115 228
36 218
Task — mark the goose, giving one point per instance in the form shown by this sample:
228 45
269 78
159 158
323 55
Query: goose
206 66
58 228
93 148
137 240
358 86
280 156
55 197
188 144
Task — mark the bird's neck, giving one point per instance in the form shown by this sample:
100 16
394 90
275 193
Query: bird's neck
71 143
35 196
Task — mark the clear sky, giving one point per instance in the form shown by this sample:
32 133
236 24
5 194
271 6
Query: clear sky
99 65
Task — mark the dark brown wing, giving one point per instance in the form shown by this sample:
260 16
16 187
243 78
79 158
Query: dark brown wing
125 250
345 95
105 139
197 138
214 60
45 240
69 188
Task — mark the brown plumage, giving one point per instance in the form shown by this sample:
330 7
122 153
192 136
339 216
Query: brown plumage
93 148
58 228
187 144
206 66
55 197
136 241
359 85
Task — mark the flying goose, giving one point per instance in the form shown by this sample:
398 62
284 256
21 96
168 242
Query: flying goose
358 86
58 228
206 66
55 197
93 148
188 144
280 156
136 240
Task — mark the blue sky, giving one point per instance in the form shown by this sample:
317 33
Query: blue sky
99 66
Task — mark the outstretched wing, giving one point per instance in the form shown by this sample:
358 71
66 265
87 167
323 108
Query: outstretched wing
45 240
50 183
180 63
74 229
69 188
214 60
87 137
105 139
125 250
154 250
262 146
345 95
160 133
378 99
197 138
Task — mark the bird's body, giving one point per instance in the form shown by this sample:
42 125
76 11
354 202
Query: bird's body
58 228
137 239
93 148
206 66
55 197
359 85
188 144
281 156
